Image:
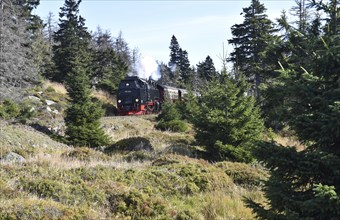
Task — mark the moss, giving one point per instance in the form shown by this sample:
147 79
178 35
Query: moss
244 174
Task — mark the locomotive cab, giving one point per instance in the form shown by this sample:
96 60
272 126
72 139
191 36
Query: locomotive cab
136 96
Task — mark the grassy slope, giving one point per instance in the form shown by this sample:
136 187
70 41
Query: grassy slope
60 182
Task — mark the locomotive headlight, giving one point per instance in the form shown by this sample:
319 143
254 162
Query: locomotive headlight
137 100
119 101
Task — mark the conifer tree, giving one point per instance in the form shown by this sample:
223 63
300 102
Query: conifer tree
251 40
71 35
306 184
108 67
206 69
17 69
82 117
227 121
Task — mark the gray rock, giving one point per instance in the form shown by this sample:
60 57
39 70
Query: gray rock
49 102
12 157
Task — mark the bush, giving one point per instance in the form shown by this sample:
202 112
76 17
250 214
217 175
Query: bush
130 144
173 125
9 109
227 151
85 154
68 194
27 209
169 112
140 205
12 110
244 174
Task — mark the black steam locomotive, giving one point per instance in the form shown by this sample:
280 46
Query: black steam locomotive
138 96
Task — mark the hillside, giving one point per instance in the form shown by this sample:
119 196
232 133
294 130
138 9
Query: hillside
165 181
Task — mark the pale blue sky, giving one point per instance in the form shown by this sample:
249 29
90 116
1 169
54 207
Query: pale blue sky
201 27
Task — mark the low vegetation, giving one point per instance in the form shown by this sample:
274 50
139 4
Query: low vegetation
157 181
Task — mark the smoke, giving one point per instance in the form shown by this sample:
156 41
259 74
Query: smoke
173 67
147 67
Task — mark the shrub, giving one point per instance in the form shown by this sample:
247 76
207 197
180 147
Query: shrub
27 209
169 112
244 174
140 205
12 110
9 109
68 194
230 152
130 144
173 125
85 154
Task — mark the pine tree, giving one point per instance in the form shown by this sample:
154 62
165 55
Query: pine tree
306 184
227 121
251 40
82 117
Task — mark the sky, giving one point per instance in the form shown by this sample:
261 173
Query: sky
202 28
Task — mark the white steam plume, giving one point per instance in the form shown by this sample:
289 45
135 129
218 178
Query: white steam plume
147 67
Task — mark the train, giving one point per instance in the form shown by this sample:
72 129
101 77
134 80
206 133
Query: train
137 96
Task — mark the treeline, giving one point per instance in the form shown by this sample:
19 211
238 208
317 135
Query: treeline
285 75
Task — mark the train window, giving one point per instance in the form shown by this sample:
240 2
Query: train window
141 84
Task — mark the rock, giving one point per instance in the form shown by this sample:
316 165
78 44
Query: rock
48 109
12 157
49 102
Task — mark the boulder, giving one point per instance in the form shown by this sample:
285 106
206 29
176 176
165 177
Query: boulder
12 157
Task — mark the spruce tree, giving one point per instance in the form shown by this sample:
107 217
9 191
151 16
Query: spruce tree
17 69
206 69
71 35
227 121
251 40
108 67
82 117
306 184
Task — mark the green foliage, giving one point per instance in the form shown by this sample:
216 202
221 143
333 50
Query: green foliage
140 205
67 194
306 184
206 69
227 115
244 174
230 152
11 110
27 209
169 118
109 67
169 112
252 41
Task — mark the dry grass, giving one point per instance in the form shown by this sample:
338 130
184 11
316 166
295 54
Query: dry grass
105 97
58 87
289 142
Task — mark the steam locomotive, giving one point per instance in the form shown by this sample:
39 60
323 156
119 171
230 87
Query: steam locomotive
137 96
